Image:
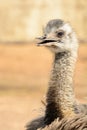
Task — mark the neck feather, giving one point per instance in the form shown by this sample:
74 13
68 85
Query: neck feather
60 96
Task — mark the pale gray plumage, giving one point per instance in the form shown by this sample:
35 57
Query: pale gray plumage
61 103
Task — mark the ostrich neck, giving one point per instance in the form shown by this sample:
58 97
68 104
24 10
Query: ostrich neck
60 96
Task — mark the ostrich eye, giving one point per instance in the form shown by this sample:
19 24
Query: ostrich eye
60 34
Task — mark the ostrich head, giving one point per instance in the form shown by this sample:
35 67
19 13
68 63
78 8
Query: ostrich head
58 36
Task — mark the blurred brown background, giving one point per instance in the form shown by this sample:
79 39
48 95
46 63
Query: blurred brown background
25 68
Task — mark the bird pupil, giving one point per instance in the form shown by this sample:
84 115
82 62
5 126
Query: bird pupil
60 34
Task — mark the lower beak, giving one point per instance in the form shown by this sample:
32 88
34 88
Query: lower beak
46 41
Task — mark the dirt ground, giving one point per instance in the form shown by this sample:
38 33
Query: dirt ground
24 75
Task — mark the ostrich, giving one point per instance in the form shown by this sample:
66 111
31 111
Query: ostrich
60 38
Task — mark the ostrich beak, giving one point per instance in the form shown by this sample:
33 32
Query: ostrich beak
45 41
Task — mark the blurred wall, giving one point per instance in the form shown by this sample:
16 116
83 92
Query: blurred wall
22 20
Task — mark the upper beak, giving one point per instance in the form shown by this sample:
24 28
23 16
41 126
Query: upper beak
44 40
41 38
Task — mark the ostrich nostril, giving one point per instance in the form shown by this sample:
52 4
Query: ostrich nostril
41 38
